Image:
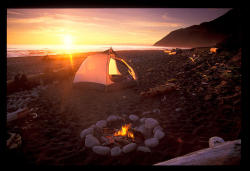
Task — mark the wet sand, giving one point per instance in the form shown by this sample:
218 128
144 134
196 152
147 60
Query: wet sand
200 109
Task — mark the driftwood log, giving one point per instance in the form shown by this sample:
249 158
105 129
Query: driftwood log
18 114
43 78
227 153
161 89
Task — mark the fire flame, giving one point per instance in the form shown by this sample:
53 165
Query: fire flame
124 131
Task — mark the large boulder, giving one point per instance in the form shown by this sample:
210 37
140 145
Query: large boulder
144 131
116 151
85 132
214 141
151 142
159 134
101 150
128 148
91 141
113 118
142 120
101 123
157 128
104 140
143 149
133 118
150 123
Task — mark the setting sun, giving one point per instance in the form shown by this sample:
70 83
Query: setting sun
68 41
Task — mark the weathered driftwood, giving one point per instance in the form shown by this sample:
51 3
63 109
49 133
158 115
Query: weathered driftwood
161 89
20 113
227 153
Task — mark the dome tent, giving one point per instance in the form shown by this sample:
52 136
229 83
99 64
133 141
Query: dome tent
101 68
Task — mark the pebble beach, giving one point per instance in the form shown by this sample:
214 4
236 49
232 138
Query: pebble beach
206 103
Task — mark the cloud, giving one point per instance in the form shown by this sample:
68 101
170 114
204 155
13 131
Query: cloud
165 16
153 24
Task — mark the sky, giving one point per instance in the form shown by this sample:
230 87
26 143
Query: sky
100 26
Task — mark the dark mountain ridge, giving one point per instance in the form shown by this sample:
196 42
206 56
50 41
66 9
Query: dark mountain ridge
207 33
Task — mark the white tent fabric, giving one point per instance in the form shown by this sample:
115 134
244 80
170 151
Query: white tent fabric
97 68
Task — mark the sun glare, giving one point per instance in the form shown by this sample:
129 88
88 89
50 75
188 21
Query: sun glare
68 41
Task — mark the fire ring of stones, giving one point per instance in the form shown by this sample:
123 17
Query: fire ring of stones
117 135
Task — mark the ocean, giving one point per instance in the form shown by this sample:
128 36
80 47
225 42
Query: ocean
42 50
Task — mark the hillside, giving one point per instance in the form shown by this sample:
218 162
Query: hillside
205 34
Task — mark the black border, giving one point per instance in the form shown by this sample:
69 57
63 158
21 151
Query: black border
3 63
122 4
128 4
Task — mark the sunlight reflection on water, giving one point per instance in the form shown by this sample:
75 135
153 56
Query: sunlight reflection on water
42 50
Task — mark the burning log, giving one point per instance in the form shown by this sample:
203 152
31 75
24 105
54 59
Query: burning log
107 131
122 140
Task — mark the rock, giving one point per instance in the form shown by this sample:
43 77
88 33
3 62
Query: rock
91 141
112 118
101 123
93 126
140 128
143 149
146 112
157 128
128 148
104 140
214 141
204 83
151 142
142 120
34 115
98 132
178 109
119 118
150 123
86 132
146 132
133 118
159 134
157 110
101 150
116 151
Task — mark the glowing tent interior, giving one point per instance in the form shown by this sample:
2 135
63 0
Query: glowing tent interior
100 68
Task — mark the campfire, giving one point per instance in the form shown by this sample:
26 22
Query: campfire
123 136
117 135
124 131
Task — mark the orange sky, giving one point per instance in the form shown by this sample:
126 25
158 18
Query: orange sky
94 26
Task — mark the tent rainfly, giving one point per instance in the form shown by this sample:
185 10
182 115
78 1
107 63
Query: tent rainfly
100 67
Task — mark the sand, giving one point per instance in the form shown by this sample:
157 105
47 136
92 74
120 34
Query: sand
189 116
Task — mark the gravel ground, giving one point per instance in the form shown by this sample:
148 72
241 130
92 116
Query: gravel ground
207 103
